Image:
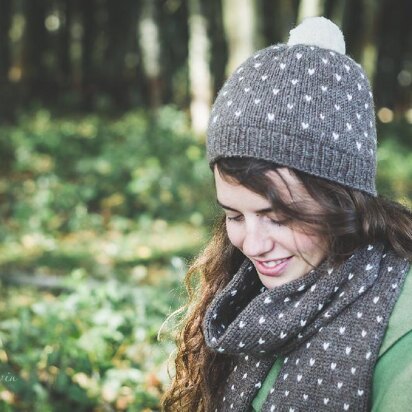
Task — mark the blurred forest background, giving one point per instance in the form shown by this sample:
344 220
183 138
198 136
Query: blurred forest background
105 194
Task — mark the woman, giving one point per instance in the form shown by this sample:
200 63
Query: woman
302 303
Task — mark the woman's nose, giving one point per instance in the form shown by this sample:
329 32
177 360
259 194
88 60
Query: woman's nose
256 242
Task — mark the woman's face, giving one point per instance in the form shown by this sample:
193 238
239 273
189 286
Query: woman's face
279 253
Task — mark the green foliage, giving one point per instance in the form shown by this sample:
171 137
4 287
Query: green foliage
395 162
62 175
113 198
95 346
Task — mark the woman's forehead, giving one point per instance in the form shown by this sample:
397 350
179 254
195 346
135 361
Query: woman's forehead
285 183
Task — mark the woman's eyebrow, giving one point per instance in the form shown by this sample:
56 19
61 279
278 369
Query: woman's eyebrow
265 210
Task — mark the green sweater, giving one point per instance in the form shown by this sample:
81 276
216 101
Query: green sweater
392 378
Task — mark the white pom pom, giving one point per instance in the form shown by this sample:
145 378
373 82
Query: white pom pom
318 31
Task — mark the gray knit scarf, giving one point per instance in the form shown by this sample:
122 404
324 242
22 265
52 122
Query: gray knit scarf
329 326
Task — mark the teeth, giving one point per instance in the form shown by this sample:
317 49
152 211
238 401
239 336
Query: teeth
273 263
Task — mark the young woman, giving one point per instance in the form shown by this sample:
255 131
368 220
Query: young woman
304 297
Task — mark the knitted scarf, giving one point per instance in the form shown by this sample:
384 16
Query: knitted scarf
329 325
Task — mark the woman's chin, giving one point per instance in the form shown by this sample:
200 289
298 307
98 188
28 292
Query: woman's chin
273 282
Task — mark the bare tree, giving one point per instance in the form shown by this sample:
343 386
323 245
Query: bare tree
35 45
149 41
199 68
394 51
5 21
240 27
64 63
310 8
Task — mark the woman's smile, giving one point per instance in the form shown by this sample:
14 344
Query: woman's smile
272 267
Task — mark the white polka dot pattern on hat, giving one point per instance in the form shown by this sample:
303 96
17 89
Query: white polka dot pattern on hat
282 102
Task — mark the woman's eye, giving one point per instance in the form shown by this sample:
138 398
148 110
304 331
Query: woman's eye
275 221
237 218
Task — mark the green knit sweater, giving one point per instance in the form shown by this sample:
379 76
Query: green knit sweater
392 377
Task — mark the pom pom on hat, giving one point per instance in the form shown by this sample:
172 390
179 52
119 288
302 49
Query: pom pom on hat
318 31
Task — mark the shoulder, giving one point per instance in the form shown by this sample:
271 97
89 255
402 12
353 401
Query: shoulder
392 378
393 370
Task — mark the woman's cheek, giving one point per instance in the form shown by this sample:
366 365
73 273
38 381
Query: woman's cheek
309 245
304 243
234 234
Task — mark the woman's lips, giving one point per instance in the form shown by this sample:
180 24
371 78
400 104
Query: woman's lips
272 267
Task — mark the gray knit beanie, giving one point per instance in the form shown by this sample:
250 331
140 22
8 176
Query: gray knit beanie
305 105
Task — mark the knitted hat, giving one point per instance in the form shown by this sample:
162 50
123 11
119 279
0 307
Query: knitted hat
304 105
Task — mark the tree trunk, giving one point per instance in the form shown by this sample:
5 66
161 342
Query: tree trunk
173 18
149 41
5 21
121 17
359 21
64 44
393 48
34 48
278 17
199 71
270 16
309 8
239 18
334 10
88 23
218 45
353 27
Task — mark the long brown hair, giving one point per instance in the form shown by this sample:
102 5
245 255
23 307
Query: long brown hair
347 220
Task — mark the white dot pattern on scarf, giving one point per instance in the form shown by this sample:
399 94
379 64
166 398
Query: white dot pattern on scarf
316 373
